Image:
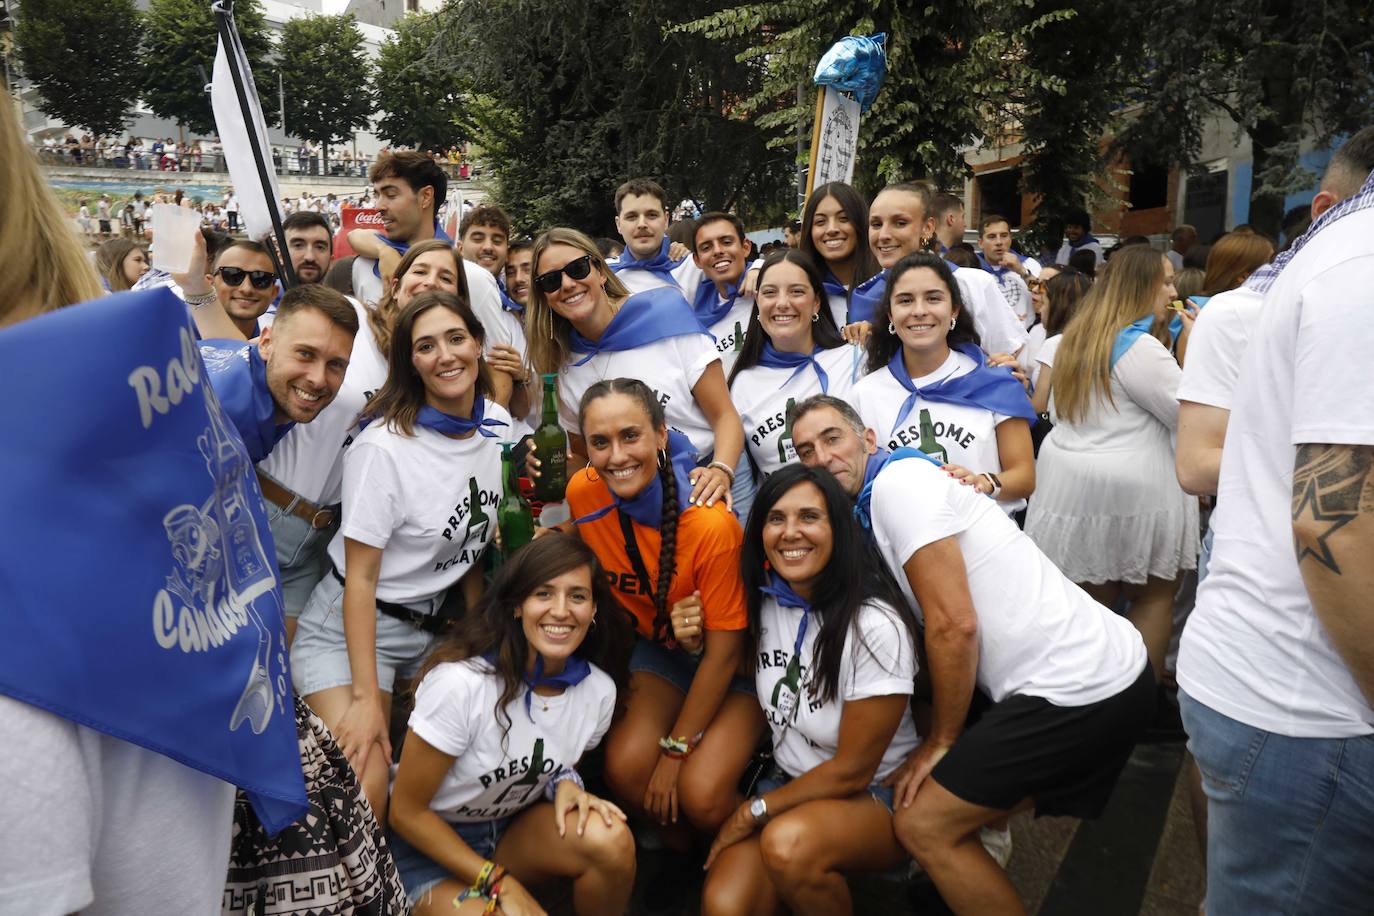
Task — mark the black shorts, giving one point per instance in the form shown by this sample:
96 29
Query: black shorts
1065 758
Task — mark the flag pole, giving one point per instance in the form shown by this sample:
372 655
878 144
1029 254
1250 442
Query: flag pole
229 34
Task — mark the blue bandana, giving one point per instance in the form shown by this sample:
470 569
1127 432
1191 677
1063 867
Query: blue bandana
775 359
863 506
239 376
781 592
1128 335
575 671
647 507
709 307
984 387
448 425
660 265
507 302
172 637
402 247
865 298
643 319
873 466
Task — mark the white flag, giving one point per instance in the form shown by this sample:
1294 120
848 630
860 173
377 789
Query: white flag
257 203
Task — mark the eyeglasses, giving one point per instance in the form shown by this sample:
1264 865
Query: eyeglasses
233 276
1035 284
550 280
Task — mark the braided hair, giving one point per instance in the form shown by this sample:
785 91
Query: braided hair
667 551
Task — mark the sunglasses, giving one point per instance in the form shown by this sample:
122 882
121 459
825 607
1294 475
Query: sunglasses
233 276
550 280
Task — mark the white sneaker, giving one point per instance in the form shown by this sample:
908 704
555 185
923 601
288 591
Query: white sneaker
997 843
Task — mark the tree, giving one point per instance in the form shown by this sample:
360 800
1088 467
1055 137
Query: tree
579 96
1283 73
82 56
180 38
425 102
327 78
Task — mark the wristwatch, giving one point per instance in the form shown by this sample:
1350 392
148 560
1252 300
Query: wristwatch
758 808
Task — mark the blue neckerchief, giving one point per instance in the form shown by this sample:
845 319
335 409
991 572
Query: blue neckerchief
1264 276
873 465
709 307
239 376
781 592
643 319
575 671
1128 336
449 425
402 247
776 359
866 297
996 271
863 506
174 641
660 265
1176 322
1087 239
647 507
984 387
507 302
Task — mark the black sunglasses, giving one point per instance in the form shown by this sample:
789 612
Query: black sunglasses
550 280
233 276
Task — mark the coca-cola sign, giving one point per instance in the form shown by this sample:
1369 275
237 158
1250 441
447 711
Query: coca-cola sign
351 218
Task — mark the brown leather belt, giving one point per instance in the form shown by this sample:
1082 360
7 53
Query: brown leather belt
314 516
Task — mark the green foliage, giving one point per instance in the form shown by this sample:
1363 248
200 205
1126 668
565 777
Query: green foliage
327 78
82 56
425 101
180 37
1282 72
579 95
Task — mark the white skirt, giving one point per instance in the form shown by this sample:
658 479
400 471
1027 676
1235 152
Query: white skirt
1113 516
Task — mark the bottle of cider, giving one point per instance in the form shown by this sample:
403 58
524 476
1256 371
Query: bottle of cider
551 448
513 516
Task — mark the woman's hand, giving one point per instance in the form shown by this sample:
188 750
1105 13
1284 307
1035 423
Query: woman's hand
749 283
857 333
677 251
514 900
738 826
362 725
1011 362
710 484
505 358
687 628
569 797
969 478
660 799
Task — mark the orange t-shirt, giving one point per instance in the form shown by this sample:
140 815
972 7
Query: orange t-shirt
708 551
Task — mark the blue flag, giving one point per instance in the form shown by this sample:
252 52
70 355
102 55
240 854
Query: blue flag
138 583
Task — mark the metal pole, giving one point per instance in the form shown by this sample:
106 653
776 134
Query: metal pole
229 34
801 137
281 101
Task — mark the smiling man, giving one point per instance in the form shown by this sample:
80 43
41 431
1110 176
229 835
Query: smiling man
721 252
642 219
410 187
484 237
244 280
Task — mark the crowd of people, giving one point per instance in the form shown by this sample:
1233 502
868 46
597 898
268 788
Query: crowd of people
864 546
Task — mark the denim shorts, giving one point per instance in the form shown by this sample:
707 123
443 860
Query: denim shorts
1290 821
301 557
775 778
676 666
420 873
319 653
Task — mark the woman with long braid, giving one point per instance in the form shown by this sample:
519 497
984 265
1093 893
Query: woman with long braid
689 725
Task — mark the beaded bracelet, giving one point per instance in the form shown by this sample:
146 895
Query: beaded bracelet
722 466
679 748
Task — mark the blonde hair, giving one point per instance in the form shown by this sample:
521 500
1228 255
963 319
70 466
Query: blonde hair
46 266
382 317
546 333
1125 293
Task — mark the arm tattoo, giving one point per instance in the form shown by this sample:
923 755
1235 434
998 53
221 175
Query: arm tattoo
1331 486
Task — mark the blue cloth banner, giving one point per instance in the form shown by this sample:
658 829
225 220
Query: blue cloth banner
855 64
985 387
239 377
139 585
643 318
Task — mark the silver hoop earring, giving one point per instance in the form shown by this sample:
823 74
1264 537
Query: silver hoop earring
891 328
663 458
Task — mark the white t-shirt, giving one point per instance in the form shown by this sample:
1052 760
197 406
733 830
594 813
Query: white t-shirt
967 434
729 333
880 662
427 501
1035 339
308 460
671 367
1254 649
1217 345
1066 251
93 824
762 395
1017 295
999 330
1038 633
494 774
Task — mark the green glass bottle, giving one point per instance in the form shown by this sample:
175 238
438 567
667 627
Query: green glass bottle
513 516
929 444
786 452
551 448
